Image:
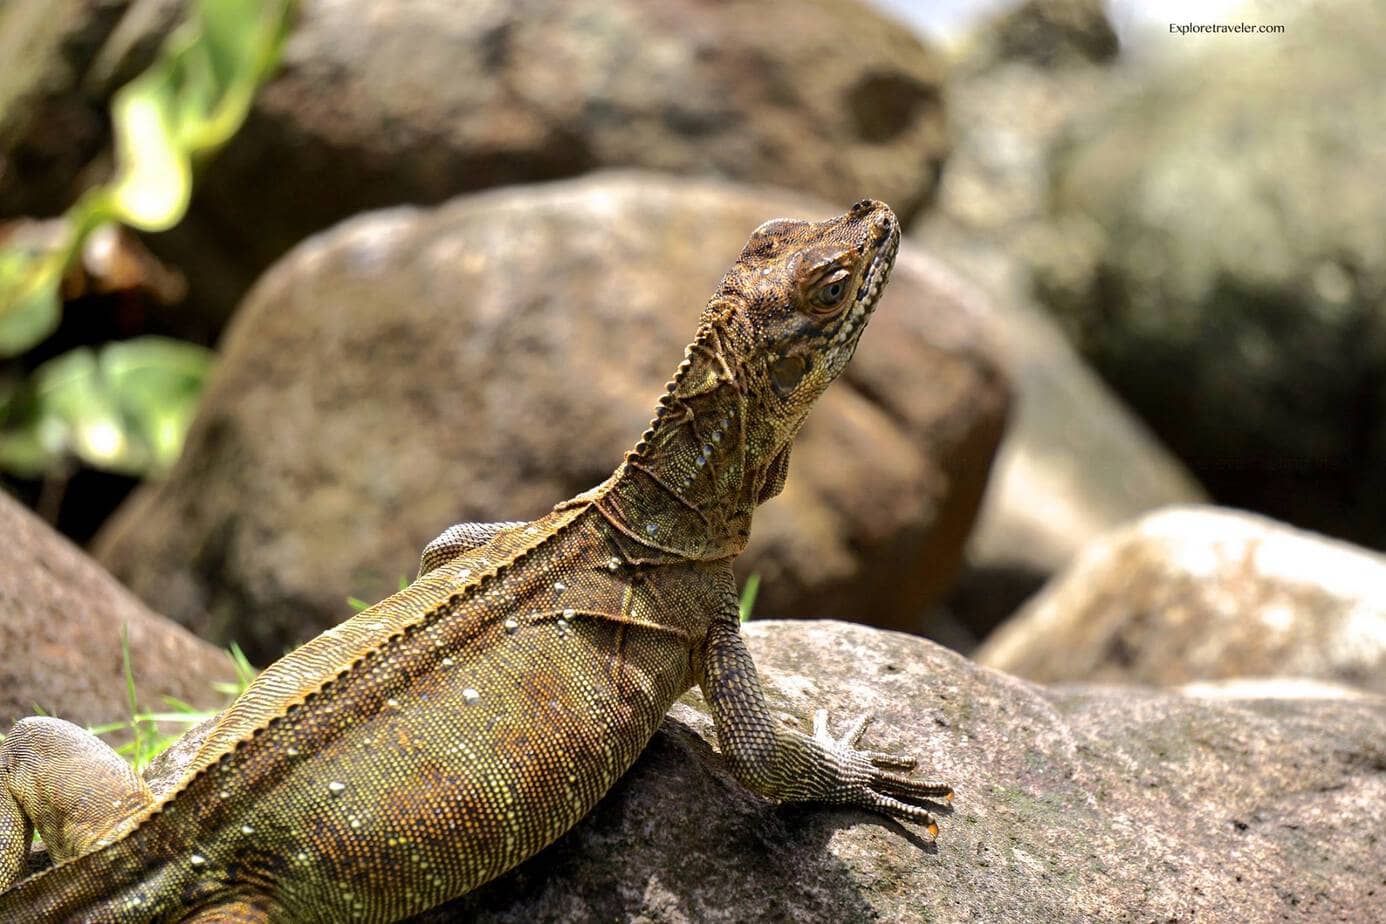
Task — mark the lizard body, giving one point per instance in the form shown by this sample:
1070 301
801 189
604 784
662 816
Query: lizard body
440 737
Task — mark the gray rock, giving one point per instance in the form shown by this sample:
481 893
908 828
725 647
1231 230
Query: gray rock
61 624
1048 34
489 358
1200 593
1072 805
1075 461
1073 465
1222 261
1231 802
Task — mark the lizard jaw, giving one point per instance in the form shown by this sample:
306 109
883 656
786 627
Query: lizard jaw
844 340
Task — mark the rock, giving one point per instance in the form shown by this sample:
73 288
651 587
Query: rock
61 624
1075 461
1080 804
1046 34
488 358
1072 805
50 127
1199 593
1074 464
1222 261
412 101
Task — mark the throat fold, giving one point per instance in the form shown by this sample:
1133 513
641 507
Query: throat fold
683 491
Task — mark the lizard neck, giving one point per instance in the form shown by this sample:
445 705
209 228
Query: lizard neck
687 489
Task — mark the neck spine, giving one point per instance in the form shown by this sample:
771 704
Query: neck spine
683 490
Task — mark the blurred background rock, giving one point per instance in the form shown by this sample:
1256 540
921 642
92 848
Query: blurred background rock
1152 261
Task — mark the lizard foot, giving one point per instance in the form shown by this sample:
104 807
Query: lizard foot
865 778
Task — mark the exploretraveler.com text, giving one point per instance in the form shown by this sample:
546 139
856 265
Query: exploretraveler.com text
1188 27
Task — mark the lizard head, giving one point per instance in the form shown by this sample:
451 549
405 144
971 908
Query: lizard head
779 329
799 296
806 290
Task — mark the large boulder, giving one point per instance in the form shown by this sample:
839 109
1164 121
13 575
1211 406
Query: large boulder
488 358
1073 465
1222 260
1080 805
414 101
64 623
1200 593
1075 461
1071 805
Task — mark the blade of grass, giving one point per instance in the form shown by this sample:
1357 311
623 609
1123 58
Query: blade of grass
748 595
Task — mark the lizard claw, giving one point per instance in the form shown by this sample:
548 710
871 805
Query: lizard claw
868 780
851 738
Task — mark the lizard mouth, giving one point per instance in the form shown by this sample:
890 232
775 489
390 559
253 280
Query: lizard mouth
844 339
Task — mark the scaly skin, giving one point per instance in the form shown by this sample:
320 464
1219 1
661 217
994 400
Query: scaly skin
447 733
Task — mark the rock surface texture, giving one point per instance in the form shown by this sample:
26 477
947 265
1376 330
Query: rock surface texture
1074 464
61 620
492 357
1201 593
1072 806
1222 260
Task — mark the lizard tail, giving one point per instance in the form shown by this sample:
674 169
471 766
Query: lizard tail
103 885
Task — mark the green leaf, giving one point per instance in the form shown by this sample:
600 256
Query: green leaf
233 33
29 304
238 46
190 102
143 745
245 671
24 451
155 383
198 91
76 412
154 182
748 595
126 408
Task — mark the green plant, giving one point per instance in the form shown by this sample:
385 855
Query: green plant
748 595
166 122
146 739
123 407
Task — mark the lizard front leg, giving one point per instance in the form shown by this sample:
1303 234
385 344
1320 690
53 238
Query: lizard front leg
790 766
63 780
459 538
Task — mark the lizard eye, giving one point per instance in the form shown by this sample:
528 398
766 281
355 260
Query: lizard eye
786 373
830 292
